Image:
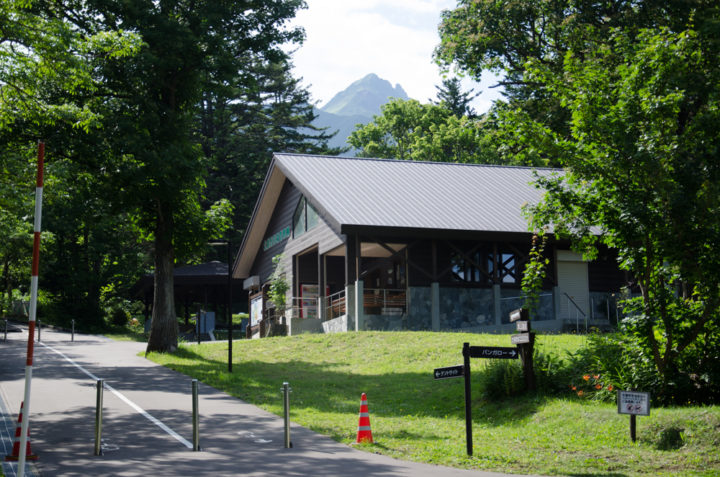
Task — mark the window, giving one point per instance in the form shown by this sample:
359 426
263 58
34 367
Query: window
483 267
476 268
304 218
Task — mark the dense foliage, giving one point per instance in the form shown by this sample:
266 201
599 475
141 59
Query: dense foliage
624 96
159 119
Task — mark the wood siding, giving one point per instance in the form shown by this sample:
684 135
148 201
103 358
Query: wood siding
322 235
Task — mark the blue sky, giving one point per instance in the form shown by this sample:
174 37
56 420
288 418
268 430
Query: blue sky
395 39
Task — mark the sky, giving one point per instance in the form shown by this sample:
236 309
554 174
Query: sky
395 39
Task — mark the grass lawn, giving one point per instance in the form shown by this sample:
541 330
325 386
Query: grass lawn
415 417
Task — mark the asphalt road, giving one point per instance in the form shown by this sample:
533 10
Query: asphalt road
147 421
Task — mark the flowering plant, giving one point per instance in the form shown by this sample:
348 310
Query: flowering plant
593 386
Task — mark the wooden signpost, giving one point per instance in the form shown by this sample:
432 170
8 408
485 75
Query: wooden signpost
525 342
524 351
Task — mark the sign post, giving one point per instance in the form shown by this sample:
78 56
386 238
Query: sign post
635 403
525 342
468 407
491 352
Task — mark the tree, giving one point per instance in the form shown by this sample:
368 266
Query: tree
451 96
190 48
241 130
50 89
642 166
407 129
631 113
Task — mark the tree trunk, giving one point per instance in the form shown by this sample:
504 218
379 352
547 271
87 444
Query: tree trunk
164 331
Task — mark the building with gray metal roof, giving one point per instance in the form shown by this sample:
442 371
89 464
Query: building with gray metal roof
388 244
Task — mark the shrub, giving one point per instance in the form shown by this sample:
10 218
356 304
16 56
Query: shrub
501 379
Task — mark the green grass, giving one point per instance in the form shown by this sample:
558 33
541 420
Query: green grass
415 417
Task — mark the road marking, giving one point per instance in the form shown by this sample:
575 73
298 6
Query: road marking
127 401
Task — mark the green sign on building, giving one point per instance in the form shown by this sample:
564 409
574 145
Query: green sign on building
276 238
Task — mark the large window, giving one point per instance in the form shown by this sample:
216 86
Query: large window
484 267
304 218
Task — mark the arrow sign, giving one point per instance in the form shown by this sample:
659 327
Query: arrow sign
493 352
449 372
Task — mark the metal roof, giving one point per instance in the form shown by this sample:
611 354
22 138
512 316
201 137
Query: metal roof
422 195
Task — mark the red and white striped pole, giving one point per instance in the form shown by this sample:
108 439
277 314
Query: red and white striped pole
33 306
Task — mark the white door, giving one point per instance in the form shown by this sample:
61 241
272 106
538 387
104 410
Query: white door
573 285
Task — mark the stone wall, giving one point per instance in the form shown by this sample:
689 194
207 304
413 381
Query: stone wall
462 308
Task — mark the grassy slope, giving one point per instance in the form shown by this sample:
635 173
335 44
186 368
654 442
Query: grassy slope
415 417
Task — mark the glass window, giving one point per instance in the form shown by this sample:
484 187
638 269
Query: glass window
312 216
299 219
304 218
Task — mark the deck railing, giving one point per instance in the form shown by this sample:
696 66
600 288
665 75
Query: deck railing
335 305
384 301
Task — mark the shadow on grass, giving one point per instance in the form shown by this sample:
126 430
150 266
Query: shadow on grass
324 388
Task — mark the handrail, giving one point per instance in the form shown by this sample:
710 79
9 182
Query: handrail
577 318
576 305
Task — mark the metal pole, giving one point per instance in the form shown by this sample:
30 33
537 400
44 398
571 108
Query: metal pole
39 329
195 416
229 305
33 305
72 337
6 325
633 427
98 417
286 404
468 407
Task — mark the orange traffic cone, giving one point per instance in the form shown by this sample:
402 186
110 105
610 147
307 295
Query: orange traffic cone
364 434
16 443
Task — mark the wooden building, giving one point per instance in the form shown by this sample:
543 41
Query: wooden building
369 244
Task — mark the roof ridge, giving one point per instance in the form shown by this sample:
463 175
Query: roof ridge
409 161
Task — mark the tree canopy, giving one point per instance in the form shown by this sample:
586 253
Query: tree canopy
158 117
623 96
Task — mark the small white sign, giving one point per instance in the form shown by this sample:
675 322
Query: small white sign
634 402
520 339
522 325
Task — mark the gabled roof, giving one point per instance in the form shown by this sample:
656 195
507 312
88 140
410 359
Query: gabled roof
361 192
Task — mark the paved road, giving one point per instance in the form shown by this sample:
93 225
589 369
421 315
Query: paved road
147 421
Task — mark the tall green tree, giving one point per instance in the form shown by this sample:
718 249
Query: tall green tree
452 97
642 165
266 111
51 89
624 97
189 48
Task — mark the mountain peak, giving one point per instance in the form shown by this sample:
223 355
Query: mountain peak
364 97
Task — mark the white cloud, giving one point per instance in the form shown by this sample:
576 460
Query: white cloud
348 39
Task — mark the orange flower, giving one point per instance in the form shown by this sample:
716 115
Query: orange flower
596 376
586 377
598 386
610 387
580 393
573 388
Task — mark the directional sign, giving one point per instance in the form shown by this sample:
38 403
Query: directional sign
450 372
522 325
519 314
522 338
493 352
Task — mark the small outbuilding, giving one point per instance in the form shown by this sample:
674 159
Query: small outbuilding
372 244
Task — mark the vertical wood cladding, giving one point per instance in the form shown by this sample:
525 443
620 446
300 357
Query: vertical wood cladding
282 218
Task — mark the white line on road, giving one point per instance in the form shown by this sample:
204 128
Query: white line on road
127 401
